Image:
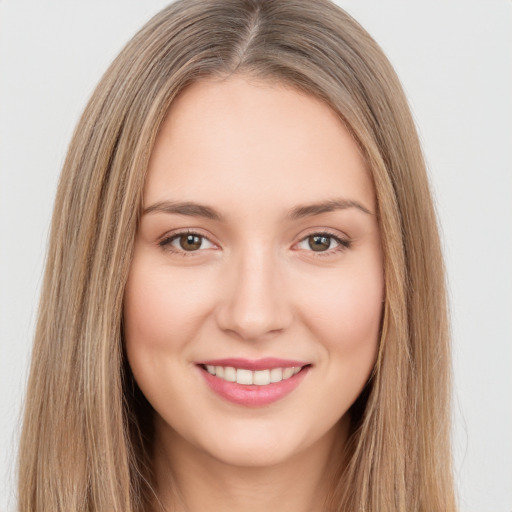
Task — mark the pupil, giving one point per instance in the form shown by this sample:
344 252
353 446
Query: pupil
319 243
190 242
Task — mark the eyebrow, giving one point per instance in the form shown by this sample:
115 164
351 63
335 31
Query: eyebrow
324 207
192 209
184 208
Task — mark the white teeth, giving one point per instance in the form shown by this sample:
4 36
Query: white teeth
230 374
287 373
248 377
261 378
244 376
276 375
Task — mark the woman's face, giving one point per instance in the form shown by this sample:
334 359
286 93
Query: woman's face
257 256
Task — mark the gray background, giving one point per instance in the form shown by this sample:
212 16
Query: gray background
454 58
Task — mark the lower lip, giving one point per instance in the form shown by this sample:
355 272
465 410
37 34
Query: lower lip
252 395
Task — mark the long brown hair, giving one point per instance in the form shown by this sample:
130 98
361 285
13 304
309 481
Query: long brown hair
86 430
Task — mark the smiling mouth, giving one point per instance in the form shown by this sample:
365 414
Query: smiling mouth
253 382
249 377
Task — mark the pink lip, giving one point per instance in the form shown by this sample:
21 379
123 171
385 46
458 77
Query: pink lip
252 395
267 363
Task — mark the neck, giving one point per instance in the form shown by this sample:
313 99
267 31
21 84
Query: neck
189 480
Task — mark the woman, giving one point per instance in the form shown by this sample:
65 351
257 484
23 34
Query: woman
243 304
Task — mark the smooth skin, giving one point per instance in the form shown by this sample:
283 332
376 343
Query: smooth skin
256 282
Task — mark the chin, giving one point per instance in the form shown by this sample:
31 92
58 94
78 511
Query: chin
265 446
253 454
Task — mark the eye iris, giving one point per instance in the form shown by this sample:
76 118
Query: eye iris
190 242
319 242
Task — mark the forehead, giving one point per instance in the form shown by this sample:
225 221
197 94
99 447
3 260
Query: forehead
261 142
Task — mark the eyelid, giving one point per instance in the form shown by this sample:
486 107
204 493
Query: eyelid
165 241
343 241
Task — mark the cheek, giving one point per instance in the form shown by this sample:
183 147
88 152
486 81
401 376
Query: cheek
162 312
360 306
160 307
345 313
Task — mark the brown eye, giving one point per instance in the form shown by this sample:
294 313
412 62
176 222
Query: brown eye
324 243
189 242
319 243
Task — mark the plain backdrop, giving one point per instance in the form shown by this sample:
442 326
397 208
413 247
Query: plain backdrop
454 58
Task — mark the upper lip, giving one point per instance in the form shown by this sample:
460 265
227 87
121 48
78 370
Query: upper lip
266 363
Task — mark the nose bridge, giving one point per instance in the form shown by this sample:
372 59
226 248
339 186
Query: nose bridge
255 301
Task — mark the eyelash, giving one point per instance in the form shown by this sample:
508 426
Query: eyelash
343 243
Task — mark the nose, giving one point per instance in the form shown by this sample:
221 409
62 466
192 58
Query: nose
254 297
